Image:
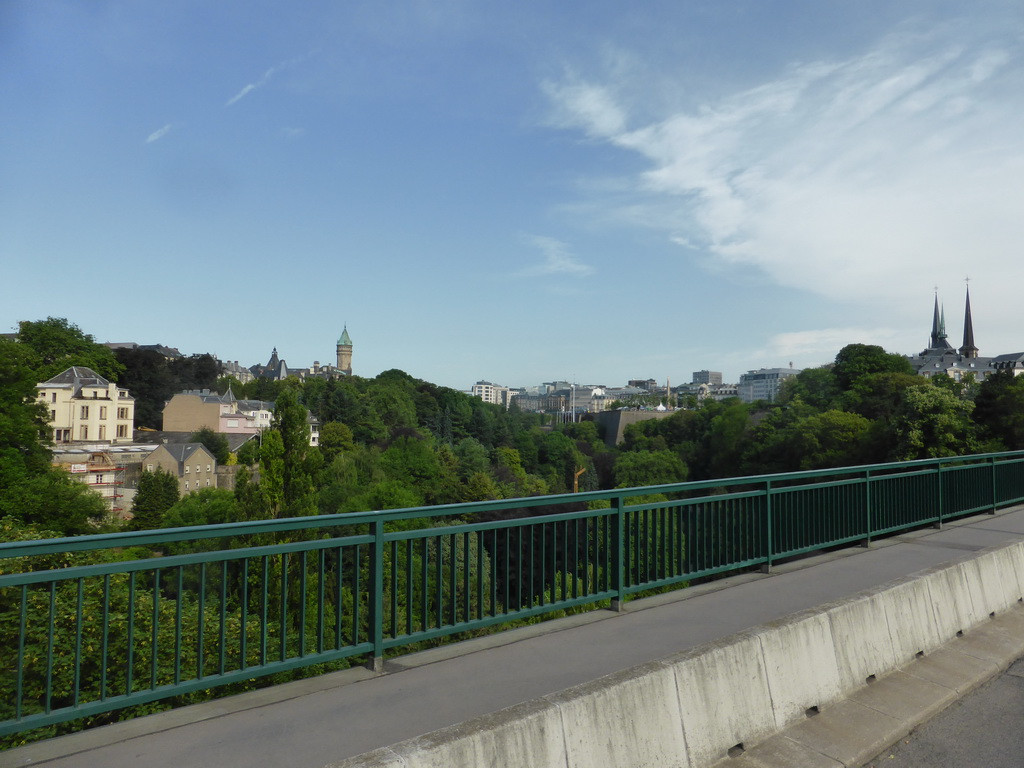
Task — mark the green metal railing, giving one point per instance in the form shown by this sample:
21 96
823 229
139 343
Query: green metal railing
139 617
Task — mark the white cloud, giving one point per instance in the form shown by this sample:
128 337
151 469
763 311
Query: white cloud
876 175
823 344
159 134
557 259
250 87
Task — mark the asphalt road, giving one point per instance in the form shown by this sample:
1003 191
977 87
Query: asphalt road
985 728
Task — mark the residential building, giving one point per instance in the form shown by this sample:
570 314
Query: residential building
193 465
85 407
112 471
192 410
493 393
763 384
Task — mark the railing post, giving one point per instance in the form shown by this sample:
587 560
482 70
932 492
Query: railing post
377 596
867 508
938 475
618 554
995 497
769 538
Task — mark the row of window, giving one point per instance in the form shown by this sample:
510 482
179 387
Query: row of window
197 485
199 468
122 413
83 432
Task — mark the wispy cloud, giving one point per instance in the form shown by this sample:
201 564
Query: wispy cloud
250 87
159 134
894 168
824 343
557 259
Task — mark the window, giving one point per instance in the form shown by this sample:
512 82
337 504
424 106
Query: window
103 411
122 430
85 412
186 485
207 482
53 397
186 469
198 468
207 468
103 432
149 467
53 415
83 432
122 413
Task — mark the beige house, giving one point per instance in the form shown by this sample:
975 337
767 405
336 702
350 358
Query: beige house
85 407
191 463
191 411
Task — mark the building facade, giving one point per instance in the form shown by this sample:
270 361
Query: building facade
193 465
85 407
763 384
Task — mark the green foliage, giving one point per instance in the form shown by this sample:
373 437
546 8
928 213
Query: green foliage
58 345
335 438
157 493
209 506
215 443
639 468
999 409
249 453
931 423
854 361
152 380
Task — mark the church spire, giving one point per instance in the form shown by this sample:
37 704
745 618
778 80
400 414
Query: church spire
968 349
934 342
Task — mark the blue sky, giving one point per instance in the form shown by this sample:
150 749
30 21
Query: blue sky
516 192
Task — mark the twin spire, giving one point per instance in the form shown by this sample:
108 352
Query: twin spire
938 342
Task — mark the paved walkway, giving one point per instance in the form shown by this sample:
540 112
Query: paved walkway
311 723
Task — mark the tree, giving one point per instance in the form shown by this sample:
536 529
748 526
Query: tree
335 438
209 506
158 491
639 468
31 490
854 361
931 423
999 409
60 344
215 443
293 466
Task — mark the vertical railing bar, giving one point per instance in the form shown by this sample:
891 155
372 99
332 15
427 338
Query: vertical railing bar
283 614
155 637
201 630
49 648
321 598
78 642
177 626
264 610
222 664
303 583
22 627
243 646
377 597
466 602
393 570
410 588
104 641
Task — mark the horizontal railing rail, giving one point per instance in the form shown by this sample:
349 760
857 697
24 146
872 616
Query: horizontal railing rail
94 624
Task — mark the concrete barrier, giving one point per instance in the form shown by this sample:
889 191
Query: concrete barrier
628 718
723 697
690 709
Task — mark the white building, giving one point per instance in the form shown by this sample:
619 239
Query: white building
493 393
763 384
85 407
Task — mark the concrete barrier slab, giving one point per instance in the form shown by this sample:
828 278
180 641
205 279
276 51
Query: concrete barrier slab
526 734
800 662
952 605
905 697
782 752
991 643
952 669
863 644
849 733
910 619
384 757
628 719
723 697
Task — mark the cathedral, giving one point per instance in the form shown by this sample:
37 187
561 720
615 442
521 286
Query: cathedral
941 357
